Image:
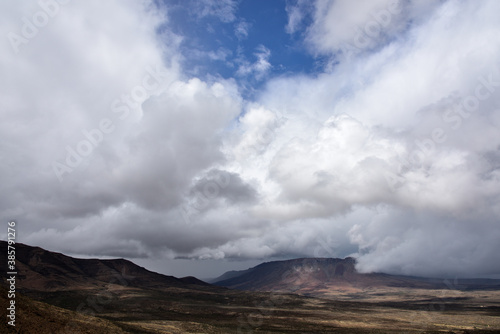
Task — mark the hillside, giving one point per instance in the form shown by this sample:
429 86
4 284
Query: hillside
42 270
38 317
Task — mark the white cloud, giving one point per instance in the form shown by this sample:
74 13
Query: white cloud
393 156
221 54
406 242
241 29
76 73
346 29
224 10
260 67
387 133
296 14
337 23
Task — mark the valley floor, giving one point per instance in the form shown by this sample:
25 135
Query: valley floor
176 310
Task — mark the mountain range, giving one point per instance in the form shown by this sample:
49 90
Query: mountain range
325 276
56 293
43 270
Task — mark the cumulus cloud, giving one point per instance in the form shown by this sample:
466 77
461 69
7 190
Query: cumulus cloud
394 145
64 86
392 156
410 144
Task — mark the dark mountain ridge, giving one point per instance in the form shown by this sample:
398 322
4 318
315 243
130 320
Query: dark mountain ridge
42 270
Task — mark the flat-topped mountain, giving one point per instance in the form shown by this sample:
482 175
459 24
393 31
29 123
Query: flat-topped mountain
315 276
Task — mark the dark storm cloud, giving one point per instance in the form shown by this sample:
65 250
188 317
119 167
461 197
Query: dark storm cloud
222 184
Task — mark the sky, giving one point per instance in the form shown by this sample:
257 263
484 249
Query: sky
195 137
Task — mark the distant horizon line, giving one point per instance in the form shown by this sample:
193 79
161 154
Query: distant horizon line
263 261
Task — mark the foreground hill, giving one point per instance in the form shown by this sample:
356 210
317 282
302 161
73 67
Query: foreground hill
323 276
38 317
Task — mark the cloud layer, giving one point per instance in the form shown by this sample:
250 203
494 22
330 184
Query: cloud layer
390 153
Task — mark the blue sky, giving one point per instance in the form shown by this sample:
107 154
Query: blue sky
221 43
195 137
